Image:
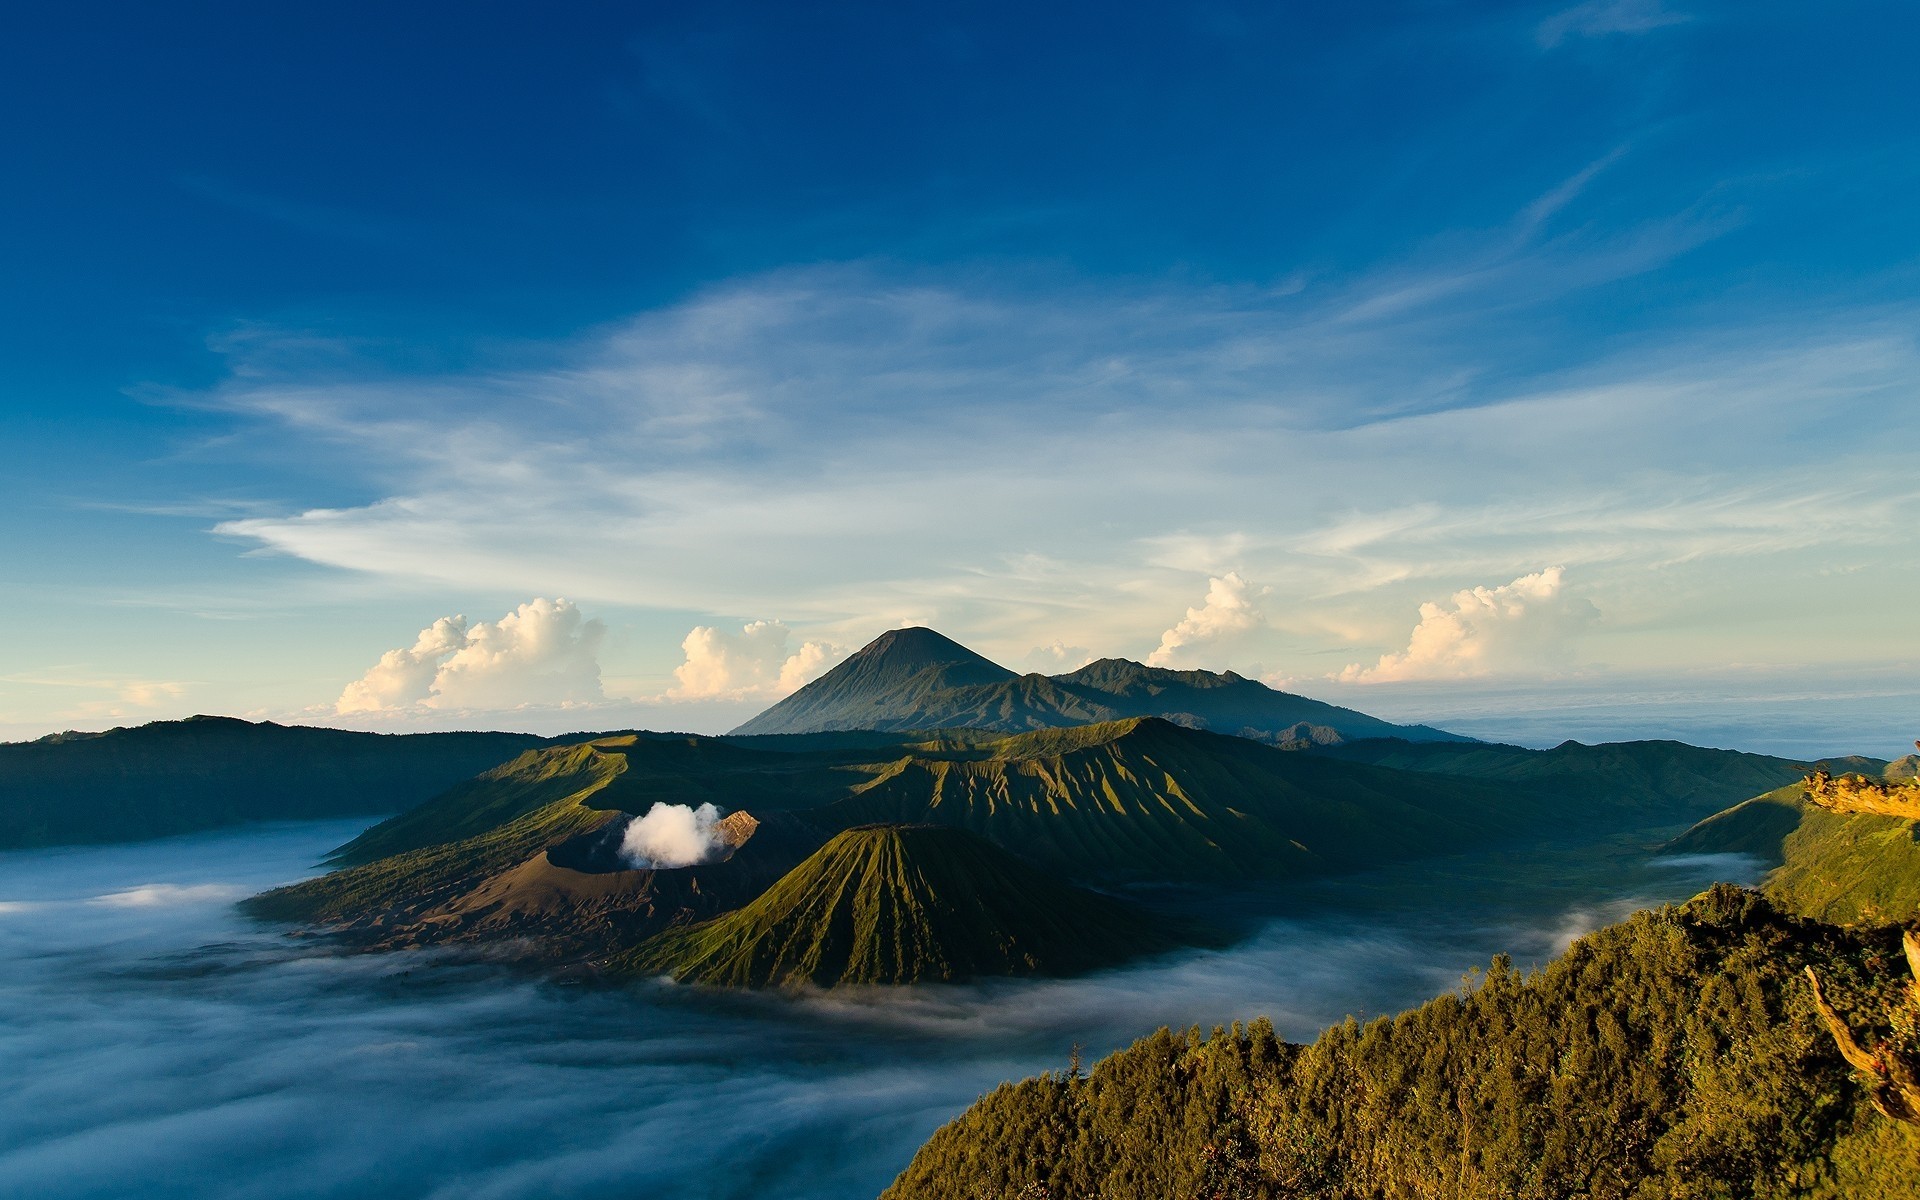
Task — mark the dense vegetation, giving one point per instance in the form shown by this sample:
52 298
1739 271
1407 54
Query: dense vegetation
172 777
1678 1054
909 679
904 904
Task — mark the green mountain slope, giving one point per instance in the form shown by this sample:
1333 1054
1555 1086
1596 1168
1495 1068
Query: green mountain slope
1834 866
1666 782
173 777
629 772
903 904
1676 1055
1144 799
910 679
549 880
1141 800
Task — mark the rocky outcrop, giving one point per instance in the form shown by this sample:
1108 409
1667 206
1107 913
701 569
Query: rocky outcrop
1885 797
1890 1066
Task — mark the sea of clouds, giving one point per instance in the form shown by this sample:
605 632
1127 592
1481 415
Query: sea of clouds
157 1044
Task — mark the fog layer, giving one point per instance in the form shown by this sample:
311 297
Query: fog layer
156 1044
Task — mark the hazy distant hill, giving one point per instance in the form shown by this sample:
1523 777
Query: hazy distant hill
904 904
915 678
1662 781
173 777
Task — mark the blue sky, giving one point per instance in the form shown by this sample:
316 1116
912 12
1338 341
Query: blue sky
1547 367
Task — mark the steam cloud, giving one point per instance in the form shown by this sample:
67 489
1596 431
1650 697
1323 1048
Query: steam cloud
673 835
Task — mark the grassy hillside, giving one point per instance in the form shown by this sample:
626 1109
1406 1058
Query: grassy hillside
904 904
1676 1055
1663 781
173 777
628 772
1136 801
1843 867
911 679
1130 800
1143 799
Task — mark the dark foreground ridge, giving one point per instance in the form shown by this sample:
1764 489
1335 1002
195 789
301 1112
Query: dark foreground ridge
894 904
909 679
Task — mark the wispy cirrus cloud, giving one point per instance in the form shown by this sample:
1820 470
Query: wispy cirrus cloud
1601 18
1046 461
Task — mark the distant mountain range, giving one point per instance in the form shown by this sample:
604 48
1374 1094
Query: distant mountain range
908 679
522 854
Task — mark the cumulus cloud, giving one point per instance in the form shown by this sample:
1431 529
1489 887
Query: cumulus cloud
1230 608
544 653
754 662
673 835
1521 626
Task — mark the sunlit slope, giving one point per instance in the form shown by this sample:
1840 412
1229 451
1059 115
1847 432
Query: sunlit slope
910 679
398 887
893 904
173 777
628 773
1663 781
1837 866
1677 1054
1143 799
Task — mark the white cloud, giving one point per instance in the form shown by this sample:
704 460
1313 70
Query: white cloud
753 663
1056 658
116 699
1599 18
1527 626
1230 608
405 677
802 443
543 654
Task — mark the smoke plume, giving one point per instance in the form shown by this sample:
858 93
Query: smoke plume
673 835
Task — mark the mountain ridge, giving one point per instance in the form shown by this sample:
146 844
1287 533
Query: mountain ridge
916 678
171 777
893 904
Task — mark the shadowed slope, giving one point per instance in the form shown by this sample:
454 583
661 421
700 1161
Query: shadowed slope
894 904
1663 780
887 677
172 777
